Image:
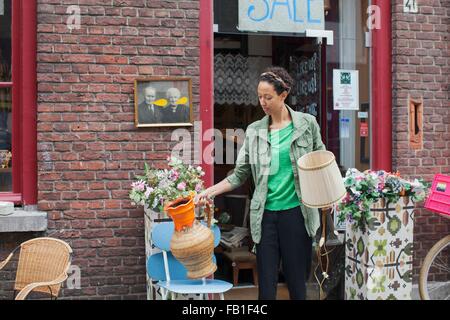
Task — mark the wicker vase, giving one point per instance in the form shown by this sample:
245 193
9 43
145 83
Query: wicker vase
192 243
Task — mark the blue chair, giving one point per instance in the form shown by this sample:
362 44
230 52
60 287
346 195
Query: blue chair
172 275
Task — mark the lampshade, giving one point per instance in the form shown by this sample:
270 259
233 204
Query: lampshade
321 182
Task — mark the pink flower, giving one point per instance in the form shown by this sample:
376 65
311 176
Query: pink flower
181 186
198 187
138 185
174 175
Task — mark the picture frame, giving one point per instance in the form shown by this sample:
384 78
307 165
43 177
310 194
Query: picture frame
163 102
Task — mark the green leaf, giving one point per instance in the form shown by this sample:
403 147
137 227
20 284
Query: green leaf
409 249
408 276
373 223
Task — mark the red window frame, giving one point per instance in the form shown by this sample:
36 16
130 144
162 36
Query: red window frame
24 104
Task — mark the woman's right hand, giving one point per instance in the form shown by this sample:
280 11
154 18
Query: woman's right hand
203 197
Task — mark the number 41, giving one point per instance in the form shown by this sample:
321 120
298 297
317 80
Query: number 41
410 6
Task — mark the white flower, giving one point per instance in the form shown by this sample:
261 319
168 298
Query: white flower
148 192
155 202
325 275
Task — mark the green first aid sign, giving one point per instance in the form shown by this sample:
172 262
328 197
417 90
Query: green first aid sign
346 78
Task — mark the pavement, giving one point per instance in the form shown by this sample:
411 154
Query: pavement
438 291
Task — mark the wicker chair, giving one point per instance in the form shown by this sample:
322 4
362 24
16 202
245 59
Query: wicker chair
42 266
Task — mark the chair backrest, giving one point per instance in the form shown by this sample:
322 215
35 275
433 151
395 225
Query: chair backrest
156 270
41 260
161 236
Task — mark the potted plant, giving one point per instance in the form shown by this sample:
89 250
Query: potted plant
379 211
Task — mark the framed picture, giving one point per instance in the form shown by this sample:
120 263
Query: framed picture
163 102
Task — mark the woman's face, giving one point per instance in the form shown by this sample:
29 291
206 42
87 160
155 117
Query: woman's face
269 99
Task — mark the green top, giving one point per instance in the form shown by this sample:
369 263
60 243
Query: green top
254 160
281 193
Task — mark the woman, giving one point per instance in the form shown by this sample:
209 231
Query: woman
281 226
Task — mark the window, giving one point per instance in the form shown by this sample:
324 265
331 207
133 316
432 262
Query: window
18 175
6 86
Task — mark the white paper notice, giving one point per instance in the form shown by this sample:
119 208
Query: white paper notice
345 89
345 128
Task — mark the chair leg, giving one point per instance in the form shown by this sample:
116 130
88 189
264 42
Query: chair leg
255 276
51 295
235 275
164 294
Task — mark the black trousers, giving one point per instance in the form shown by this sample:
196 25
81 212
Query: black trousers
283 236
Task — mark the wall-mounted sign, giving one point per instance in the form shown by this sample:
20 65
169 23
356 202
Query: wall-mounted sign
410 6
293 16
363 115
346 89
364 129
345 128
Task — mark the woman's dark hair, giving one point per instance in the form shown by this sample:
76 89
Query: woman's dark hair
279 78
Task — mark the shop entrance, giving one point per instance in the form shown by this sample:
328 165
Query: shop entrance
238 62
239 59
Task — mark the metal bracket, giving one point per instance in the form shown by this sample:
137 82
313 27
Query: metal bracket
320 34
368 40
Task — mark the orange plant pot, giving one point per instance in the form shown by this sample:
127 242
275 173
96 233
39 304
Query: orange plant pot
182 212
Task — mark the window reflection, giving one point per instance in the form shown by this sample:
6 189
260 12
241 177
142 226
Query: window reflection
5 139
5 40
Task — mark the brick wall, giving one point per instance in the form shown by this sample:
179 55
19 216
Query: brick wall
88 147
421 68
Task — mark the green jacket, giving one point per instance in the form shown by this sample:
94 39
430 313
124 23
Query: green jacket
254 158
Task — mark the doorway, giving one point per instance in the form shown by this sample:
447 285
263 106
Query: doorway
239 59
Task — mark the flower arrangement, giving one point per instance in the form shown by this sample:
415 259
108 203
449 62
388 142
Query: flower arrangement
157 187
366 188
